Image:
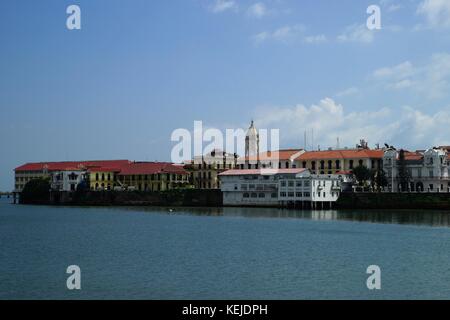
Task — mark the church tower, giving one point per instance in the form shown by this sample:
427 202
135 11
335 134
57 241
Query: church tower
252 142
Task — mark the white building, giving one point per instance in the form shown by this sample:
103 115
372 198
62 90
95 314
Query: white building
279 187
67 180
428 171
306 189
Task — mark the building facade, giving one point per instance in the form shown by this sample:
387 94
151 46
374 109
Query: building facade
67 180
105 175
205 169
43 170
279 187
426 171
335 161
153 176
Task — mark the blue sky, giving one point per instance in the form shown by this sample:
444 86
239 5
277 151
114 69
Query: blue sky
139 69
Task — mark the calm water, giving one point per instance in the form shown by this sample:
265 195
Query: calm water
130 253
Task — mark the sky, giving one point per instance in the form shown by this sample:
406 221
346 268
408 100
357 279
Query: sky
137 70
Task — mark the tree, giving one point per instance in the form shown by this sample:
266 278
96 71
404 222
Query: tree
379 179
35 191
362 174
403 172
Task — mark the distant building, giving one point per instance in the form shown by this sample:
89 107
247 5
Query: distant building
205 169
152 176
427 171
67 180
334 161
105 175
279 159
279 187
43 170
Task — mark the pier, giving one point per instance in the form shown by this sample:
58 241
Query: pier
8 195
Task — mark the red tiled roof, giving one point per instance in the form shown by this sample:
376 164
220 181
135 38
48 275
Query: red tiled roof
285 154
69 165
342 154
136 168
245 172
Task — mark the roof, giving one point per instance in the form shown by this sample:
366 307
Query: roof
246 172
136 168
70 165
285 154
342 154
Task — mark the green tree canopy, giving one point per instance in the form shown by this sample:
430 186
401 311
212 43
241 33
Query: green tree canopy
362 174
35 191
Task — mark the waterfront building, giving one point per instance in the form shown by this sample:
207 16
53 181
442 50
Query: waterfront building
67 180
205 169
152 176
43 170
105 175
426 171
338 160
279 159
104 178
279 187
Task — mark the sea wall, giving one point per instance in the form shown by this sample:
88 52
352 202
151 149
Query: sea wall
438 201
185 198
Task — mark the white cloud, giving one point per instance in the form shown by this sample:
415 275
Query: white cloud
347 92
436 13
283 34
407 128
257 10
431 79
357 33
321 38
223 5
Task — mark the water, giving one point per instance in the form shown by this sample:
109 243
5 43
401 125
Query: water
152 253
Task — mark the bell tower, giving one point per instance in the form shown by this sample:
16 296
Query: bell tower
252 142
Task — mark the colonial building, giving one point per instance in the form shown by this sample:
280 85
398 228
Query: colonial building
205 169
279 187
152 176
424 171
43 170
105 175
279 159
67 180
343 160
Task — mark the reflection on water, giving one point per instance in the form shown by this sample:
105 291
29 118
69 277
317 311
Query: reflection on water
415 217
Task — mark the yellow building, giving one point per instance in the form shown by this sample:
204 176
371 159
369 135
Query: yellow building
103 178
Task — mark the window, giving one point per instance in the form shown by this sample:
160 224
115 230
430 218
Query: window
304 164
298 194
351 164
261 195
283 194
274 195
431 173
330 164
283 183
246 195
244 187
307 183
290 194
291 184
254 195
338 165
287 164
299 183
